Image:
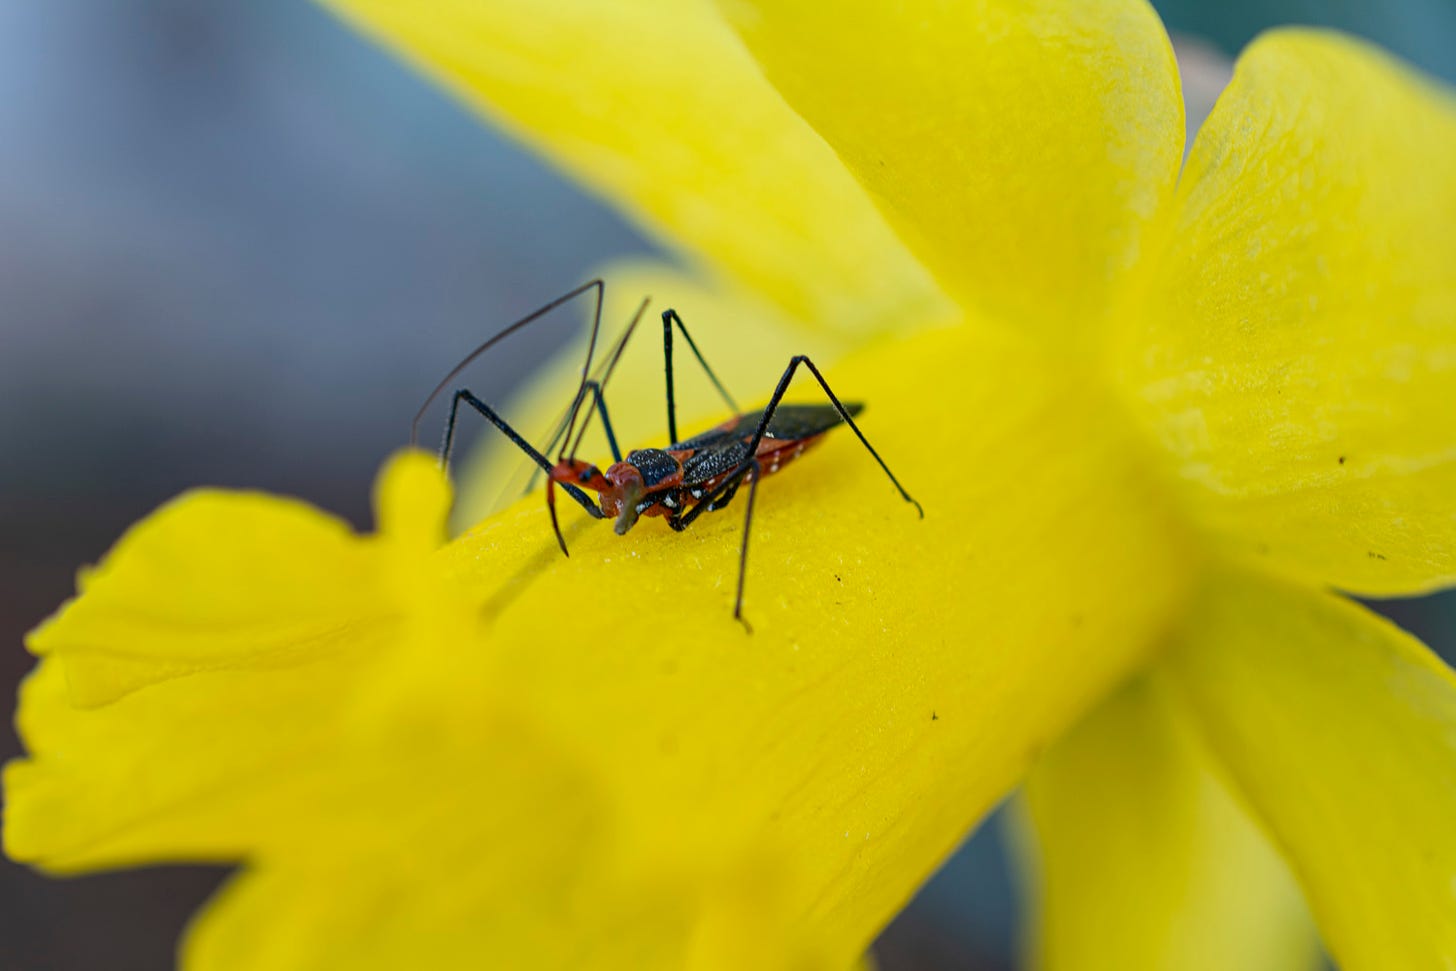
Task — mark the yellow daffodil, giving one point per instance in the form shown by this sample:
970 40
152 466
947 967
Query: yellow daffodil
1156 419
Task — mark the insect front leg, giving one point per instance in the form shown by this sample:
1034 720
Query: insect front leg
598 386
599 403
464 395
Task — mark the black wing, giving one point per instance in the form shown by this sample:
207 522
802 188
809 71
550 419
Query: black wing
721 450
789 421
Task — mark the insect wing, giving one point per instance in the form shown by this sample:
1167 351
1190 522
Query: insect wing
716 458
803 421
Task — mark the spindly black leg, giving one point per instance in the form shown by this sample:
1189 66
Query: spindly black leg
753 478
716 500
595 388
463 395
778 395
722 501
750 467
670 317
600 405
564 425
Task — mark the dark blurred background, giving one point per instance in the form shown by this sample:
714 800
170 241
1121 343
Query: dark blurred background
236 245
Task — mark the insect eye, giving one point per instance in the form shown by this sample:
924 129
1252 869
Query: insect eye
586 474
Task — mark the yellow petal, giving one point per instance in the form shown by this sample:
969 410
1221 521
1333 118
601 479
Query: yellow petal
1298 359
218 579
657 107
1340 732
197 684
205 767
212 579
1021 147
1145 862
411 501
358 913
902 673
485 844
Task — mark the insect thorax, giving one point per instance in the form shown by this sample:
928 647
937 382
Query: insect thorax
655 465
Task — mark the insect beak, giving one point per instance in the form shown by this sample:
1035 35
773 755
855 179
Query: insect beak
627 514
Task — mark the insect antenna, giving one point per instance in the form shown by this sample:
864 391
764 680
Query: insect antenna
465 362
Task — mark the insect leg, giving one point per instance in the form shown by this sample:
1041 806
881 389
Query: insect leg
778 395
608 367
719 498
595 388
564 424
463 395
600 404
670 317
753 478
555 523
714 500
722 501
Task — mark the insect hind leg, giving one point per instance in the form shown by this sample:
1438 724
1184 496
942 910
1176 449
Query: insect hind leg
778 395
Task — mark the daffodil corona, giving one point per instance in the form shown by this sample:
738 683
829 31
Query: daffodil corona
1186 407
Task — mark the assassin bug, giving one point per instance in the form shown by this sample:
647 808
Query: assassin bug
690 476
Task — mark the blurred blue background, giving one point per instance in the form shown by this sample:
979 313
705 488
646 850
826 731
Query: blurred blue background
236 246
